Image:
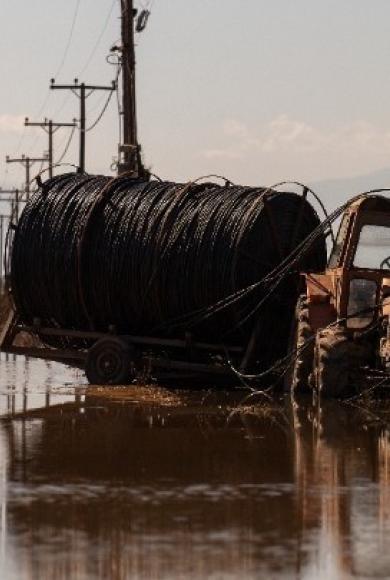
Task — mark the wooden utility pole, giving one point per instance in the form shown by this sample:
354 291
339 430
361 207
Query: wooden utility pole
2 220
50 128
82 91
129 148
27 163
13 199
4 223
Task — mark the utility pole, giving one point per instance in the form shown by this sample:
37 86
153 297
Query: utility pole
82 91
4 221
50 128
129 149
13 198
27 163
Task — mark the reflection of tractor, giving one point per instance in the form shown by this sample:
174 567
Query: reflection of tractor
341 320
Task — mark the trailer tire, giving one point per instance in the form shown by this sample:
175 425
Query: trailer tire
109 362
302 343
338 362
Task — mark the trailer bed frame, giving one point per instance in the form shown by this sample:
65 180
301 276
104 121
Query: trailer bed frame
154 358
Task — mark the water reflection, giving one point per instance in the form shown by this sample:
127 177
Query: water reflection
148 483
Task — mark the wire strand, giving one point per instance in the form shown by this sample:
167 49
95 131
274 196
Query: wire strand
100 116
66 146
99 39
69 41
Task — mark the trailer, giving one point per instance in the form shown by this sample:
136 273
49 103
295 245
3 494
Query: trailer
127 278
114 359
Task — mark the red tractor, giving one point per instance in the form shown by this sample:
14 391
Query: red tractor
341 322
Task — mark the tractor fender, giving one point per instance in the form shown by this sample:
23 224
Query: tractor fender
320 299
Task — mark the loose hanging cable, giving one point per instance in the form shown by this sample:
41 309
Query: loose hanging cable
68 143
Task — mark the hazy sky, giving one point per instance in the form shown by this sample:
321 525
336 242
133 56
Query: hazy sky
258 90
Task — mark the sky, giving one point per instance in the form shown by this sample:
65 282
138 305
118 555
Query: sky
260 91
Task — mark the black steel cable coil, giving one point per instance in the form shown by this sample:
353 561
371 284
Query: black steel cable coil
91 251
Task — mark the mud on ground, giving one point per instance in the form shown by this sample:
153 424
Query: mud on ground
22 339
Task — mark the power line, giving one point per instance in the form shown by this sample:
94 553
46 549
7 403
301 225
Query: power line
101 113
106 103
147 6
62 62
96 45
37 114
47 97
69 38
42 107
60 67
67 146
98 104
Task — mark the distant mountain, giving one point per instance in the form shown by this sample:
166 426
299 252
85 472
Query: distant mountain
334 192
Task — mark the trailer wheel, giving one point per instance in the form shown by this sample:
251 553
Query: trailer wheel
109 362
302 343
338 362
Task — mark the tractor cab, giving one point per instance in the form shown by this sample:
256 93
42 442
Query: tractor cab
357 279
341 320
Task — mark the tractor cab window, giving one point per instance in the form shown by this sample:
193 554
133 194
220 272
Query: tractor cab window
338 247
362 302
373 249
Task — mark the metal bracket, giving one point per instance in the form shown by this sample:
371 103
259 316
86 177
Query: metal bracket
9 331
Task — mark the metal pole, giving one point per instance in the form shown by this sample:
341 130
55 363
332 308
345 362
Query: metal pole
82 127
1 245
17 205
50 149
28 167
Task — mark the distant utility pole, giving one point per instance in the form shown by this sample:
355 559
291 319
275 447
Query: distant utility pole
50 128
82 91
27 163
3 217
13 198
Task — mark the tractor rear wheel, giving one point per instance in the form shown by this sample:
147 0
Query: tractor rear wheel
338 363
302 348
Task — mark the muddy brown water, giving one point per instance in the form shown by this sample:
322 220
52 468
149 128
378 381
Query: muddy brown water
143 482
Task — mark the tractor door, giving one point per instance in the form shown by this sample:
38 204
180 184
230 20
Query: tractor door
369 265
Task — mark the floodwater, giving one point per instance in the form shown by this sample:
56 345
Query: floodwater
149 483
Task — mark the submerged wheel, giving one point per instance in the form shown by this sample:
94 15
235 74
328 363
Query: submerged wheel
301 343
338 362
109 362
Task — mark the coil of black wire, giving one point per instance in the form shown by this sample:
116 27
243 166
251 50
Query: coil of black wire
149 258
